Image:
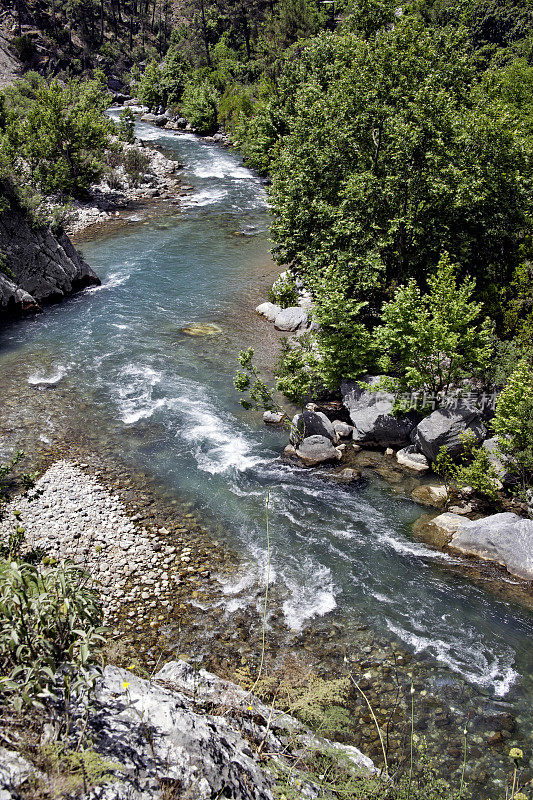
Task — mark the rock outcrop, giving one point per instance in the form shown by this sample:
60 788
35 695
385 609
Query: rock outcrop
38 266
311 423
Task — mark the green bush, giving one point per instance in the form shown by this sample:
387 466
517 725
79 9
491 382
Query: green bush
199 106
126 126
474 468
49 621
135 165
513 421
283 291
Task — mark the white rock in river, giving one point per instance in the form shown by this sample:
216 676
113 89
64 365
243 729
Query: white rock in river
410 458
290 319
342 428
269 310
274 417
504 538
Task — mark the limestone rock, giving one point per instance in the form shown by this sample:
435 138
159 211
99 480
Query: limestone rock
43 266
274 417
166 730
430 495
269 310
311 423
14 771
410 458
290 319
504 538
443 428
371 413
342 429
317 450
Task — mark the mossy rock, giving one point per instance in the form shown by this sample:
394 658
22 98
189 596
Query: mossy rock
202 329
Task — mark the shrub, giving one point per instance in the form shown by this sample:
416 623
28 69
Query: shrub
24 47
513 421
199 106
474 468
283 291
296 375
126 126
49 620
135 165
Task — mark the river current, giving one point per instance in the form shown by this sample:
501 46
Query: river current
334 551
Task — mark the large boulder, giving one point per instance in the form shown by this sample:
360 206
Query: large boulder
342 429
506 539
317 450
290 319
443 428
269 310
497 460
311 423
371 414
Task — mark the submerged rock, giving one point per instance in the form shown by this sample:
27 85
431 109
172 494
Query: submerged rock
202 329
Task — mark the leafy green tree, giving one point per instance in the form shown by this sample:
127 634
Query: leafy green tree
126 126
62 138
149 89
383 155
199 105
433 340
513 421
172 77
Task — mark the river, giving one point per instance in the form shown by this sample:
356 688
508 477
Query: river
336 554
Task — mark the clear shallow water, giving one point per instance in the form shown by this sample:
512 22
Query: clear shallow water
347 550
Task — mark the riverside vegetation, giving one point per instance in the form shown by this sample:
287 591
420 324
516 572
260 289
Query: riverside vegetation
399 147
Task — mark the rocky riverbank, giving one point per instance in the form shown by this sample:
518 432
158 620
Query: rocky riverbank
114 198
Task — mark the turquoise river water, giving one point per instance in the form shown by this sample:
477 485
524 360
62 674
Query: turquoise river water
344 553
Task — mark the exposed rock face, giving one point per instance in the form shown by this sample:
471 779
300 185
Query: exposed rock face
371 414
43 267
290 319
496 459
504 538
316 450
311 423
197 733
444 427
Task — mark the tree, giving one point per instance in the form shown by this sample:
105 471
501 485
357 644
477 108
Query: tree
384 153
149 87
513 421
431 341
199 105
62 139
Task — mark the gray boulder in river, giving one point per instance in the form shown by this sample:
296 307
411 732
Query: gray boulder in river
371 414
39 266
317 450
504 538
311 423
443 428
